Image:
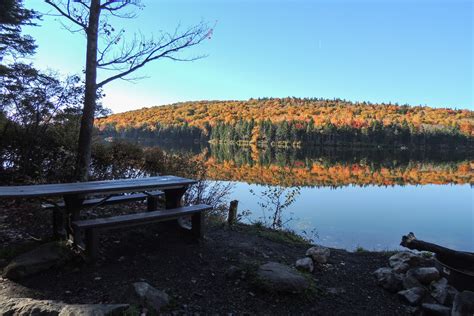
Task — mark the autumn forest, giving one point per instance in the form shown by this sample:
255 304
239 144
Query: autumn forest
294 122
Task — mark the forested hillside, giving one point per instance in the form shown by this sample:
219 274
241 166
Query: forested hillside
294 121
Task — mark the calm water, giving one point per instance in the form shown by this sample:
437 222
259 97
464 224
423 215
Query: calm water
376 217
354 198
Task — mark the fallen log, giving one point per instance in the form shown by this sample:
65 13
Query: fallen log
460 259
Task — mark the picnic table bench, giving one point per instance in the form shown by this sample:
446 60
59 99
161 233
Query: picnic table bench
77 196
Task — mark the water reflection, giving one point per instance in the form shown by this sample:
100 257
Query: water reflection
353 197
331 166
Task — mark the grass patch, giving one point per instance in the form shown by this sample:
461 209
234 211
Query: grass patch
385 252
427 254
360 249
388 252
280 236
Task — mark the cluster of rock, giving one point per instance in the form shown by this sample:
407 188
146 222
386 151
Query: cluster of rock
419 284
314 256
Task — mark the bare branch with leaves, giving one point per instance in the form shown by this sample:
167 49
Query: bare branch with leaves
108 50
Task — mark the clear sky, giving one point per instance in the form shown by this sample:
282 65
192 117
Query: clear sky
404 51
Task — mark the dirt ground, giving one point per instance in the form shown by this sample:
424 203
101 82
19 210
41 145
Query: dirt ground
196 276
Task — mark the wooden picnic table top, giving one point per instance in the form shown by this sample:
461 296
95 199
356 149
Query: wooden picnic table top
93 187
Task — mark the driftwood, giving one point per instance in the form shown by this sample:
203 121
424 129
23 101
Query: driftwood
456 258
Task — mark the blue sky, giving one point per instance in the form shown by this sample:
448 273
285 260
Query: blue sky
405 51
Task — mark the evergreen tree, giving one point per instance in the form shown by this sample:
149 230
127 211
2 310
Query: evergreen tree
12 17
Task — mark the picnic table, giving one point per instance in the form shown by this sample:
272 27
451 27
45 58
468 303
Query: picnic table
77 196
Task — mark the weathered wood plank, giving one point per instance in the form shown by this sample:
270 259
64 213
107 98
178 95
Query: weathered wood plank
95 187
112 200
139 218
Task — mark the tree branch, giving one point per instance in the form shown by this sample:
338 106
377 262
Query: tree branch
150 51
66 14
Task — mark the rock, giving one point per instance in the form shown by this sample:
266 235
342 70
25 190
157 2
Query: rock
412 296
463 304
442 292
93 309
404 260
147 296
401 268
412 310
410 282
40 259
28 306
274 276
318 254
424 275
305 264
435 310
389 280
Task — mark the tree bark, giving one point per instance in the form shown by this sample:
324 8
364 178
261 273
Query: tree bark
461 259
87 119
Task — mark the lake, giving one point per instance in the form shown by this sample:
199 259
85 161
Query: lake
350 198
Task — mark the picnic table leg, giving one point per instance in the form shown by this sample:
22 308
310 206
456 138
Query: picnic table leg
197 222
92 244
59 224
152 203
73 204
173 197
174 200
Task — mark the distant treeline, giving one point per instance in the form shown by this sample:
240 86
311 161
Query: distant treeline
166 134
296 122
295 134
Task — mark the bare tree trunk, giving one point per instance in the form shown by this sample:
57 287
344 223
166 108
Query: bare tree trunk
87 120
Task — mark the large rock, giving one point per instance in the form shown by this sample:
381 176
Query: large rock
305 264
401 268
410 282
463 304
318 254
442 292
28 306
435 310
93 309
148 296
412 296
40 259
277 277
424 275
389 280
402 261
